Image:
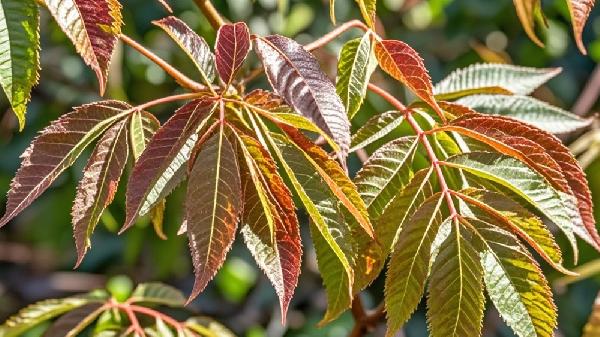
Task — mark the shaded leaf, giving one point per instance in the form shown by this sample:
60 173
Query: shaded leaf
98 186
455 297
296 76
515 283
92 26
592 327
213 206
405 65
376 128
386 173
161 167
527 109
580 11
75 321
517 80
56 148
355 66
409 265
231 48
19 57
157 293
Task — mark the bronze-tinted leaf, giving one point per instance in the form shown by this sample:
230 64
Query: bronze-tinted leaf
212 207
74 322
56 148
580 11
92 26
264 99
231 48
157 168
295 75
99 184
405 65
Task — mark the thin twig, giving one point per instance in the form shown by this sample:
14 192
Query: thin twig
183 80
167 99
589 95
325 39
211 13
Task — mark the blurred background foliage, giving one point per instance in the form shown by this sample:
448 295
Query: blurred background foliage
37 251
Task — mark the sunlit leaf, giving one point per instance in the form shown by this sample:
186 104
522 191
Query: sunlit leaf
405 65
409 265
194 45
529 11
367 9
580 11
142 127
206 326
56 148
376 128
515 79
527 109
355 66
515 283
19 56
213 206
296 76
231 48
455 295
92 26
99 184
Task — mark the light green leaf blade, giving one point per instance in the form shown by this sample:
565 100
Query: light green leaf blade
524 182
515 283
527 109
518 80
157 293
376 128
19 52
455 300
208 327
356 64
409 264
368 10
142 125
386 173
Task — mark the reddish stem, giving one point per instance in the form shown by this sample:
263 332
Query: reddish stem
424 141
325 39
157 314
211 13
167 99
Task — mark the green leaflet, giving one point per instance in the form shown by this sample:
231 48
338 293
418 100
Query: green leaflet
367 9
527 109
515 79
515 282
455 300
142 126
376 128
386 172
355 66
526 183
206 326
45 310
409 264
157 293
19 52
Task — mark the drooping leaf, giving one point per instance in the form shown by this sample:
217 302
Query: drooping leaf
405 65
194 45
231 48
92 26
355 66
56 148
580 11
37 313
142 126
75 321
157 217
157 293
296 76
528 11
509 215
391 222
543 152
270 226
515 283
159 169
376 128
99 184
409 265
387 172
515 79
19 57
368 9
455 299
213 206
530 110
526 183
